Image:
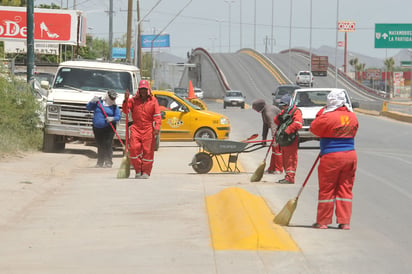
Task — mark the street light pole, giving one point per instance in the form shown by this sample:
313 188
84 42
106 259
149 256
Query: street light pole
310 38
240 25
230 2
336 45
290 38
254 29
219 21
273 22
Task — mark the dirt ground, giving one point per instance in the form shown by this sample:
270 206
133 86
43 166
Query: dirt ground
29 178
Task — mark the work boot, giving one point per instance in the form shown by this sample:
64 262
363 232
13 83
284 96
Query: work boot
144 176
284 181
317 225
344 226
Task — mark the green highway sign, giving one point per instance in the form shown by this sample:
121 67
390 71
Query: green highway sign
393 35
406 63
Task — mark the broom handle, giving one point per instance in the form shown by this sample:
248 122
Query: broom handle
127 123
270 146
307 177
105 114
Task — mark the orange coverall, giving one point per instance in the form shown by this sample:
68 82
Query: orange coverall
290 152
338 163
146 118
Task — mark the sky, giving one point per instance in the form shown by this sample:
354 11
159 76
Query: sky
228 25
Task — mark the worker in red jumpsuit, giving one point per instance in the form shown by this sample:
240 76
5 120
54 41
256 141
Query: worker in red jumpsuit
146 125
290 152
269 112
336 125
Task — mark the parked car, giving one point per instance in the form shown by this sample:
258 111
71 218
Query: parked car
182 92
184 121
310 101
198 93
304 78
282 90
44 78
234 98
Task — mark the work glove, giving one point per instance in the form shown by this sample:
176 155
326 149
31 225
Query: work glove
95 99
109 119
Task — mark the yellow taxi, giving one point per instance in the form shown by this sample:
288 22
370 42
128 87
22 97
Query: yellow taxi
184 121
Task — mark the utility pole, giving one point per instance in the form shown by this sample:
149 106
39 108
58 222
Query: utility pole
139 41
30 39
110 30
129 30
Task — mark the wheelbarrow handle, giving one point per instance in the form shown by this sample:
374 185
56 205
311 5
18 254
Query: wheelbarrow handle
258 141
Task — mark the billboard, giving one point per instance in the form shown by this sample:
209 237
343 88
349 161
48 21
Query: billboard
346 26
120 53
393 35
53 26
163 41
20 47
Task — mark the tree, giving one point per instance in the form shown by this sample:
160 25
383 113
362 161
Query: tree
389 66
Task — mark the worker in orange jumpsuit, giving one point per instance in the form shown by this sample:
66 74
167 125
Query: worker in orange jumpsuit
269 112
336 125
146 125
290 152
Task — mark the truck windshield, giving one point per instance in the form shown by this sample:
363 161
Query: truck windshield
92 80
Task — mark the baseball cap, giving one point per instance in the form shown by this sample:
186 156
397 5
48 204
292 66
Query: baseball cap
285 100
112 94
144 84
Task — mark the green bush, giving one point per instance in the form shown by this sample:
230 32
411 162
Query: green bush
19 117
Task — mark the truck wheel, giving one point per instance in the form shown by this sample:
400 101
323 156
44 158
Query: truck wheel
202 163
50 143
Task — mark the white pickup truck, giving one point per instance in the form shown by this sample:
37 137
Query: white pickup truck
75 83
310 101
304 78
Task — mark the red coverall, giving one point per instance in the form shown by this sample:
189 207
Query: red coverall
146 117
290 152
338 162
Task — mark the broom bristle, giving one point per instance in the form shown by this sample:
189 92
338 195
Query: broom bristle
124 169
284 216
258 174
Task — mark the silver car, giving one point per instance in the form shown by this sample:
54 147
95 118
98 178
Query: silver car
234 98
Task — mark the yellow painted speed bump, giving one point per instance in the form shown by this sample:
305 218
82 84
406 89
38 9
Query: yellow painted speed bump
242 221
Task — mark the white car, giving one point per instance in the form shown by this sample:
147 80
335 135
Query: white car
304 78
198 93
310 101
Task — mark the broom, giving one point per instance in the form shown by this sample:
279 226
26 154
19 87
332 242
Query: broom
125 161
284 216
258 174
124 169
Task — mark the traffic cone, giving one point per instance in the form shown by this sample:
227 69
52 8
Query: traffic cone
191 91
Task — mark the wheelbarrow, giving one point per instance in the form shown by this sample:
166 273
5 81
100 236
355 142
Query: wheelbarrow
202 162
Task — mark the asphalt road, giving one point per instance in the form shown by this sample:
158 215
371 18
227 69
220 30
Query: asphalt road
61 215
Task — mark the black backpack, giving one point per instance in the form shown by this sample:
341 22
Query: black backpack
281 137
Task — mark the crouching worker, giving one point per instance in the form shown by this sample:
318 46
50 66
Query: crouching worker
146 125
336 125
269 113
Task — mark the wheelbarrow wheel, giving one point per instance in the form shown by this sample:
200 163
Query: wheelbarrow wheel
202 162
